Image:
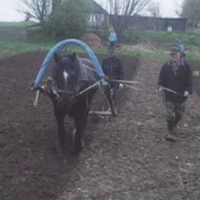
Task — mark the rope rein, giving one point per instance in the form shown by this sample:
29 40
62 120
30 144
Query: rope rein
136 82
49 81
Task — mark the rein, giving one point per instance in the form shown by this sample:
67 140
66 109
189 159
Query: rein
56 92
172 91
127 81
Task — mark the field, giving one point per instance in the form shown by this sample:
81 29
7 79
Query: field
125 158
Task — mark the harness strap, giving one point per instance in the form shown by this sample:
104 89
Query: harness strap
93 85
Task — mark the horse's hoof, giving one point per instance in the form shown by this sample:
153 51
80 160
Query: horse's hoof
82 143
77 148
60 152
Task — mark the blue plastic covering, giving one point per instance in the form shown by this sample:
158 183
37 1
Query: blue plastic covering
179 44
61 45
112 37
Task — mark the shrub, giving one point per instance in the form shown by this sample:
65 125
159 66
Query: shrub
69 20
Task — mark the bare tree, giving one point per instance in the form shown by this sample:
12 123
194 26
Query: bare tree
191 11
154 10
178 8
37 9
121 12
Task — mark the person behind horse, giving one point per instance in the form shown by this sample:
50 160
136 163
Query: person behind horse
113 69
112 38
175 79
180 45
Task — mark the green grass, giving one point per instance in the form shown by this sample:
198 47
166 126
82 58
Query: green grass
17 24
162 40
24 45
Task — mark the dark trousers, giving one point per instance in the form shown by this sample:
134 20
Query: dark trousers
112 92
175 113
112 44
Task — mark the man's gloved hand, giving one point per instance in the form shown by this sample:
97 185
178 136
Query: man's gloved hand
186 94
121 85
161 89
107 78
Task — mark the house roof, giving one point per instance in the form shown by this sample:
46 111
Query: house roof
97 8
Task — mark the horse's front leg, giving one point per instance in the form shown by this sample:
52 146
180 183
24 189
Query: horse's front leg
60 115
80 123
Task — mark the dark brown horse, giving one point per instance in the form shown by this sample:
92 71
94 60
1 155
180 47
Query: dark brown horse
71 75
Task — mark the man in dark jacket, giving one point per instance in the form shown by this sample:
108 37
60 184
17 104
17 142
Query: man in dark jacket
175 80
113 69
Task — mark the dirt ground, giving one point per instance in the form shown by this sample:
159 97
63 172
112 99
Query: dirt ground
125 158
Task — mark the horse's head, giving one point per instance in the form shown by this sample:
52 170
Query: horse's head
65 75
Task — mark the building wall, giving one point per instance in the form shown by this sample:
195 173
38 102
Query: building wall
160 24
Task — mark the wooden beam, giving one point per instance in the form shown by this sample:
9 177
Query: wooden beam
104 113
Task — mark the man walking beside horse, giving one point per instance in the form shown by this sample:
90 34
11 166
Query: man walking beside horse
175 80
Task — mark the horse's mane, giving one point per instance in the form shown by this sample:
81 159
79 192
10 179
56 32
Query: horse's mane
89 66
83 67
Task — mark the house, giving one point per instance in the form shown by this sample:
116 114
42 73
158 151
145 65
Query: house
140 23
99 17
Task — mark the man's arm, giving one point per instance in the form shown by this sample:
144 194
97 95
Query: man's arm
103 66
189 85
121 70
161 79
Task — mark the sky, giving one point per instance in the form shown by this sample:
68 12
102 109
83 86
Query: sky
8 9
168 7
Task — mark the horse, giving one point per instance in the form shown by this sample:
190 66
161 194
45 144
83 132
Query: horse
73 78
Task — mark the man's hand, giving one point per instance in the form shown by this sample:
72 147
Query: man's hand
160 89
186 94
107 78
121 85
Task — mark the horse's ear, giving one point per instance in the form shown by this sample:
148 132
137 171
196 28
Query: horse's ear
56 57
73 56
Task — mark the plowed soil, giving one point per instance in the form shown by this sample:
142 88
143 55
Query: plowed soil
125 158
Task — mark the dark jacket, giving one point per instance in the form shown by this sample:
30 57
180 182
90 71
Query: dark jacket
112 67
179 80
